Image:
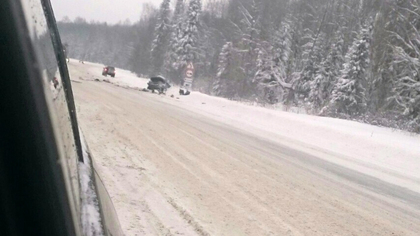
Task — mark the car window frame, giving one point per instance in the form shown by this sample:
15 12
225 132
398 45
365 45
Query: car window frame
65 75
29 150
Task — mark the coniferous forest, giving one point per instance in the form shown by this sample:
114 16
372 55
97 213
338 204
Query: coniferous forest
356 59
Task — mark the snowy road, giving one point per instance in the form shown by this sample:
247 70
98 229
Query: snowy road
179 171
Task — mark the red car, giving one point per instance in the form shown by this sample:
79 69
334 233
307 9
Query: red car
109 70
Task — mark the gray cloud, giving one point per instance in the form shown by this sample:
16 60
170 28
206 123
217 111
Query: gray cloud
110 11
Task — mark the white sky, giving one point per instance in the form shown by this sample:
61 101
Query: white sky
110 11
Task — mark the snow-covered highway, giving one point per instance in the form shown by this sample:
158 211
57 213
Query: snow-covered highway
200 165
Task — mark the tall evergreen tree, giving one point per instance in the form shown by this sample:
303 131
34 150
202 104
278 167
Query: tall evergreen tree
349 94
327 75
172 56
162 33
272 63
250 36
406 64
266 77
407 84
224 70
189 50
313 54
282 43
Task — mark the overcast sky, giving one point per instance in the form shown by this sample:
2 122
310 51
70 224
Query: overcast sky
110 11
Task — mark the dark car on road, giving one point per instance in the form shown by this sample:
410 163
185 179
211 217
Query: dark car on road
48 181
158 83
108 70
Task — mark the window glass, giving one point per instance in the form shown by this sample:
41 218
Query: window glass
42 41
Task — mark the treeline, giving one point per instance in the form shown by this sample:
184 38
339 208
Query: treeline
351 59
98 42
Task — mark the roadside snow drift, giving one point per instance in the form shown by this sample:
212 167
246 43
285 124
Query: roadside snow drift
384 153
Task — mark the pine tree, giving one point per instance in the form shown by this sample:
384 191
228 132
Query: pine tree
251 23
270 74
250 29
406 64
189 46
282 50
172 56
407 85
207 51
264 66
265 77
223 70
162 33
337 54
312 53
272 65
327 75
348 96
382 57
318 87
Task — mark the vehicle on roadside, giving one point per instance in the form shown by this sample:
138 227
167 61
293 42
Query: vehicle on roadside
183 91
158 83
49 183
109 70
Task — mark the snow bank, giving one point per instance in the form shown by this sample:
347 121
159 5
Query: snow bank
388 154
391 155
91 218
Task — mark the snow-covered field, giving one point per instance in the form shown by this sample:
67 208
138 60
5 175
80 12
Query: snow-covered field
387 154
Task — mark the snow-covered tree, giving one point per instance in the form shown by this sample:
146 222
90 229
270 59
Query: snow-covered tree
272 63
319 86
172 56
407 84
282 43
246 29
264 65
250 35
251 24
380 88
208 54
162 33
327 76
266 78
179 12
312 53
336 55
225 59
223 70
189 45
348 96
406 64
